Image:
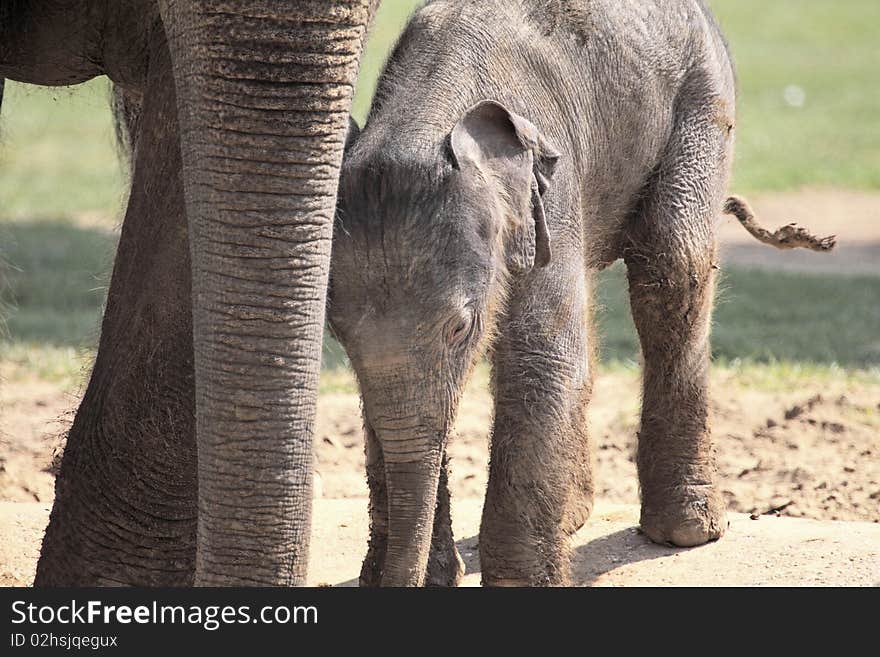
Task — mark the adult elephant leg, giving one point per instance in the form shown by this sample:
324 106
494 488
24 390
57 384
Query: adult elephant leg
125 501
265 91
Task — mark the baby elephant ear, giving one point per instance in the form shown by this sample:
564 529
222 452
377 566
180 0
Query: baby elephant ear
514 156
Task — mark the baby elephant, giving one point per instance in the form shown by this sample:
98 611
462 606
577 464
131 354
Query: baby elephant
514 147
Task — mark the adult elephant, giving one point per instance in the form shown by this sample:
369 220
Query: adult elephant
190 457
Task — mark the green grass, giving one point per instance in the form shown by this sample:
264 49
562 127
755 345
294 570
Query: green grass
58 154
767 316
58 283
831 51
58 288
793 322
63 366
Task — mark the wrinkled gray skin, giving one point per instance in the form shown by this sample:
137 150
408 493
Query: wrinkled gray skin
190 457
466 225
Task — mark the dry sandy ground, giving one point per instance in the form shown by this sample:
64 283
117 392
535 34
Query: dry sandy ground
607 551
35 415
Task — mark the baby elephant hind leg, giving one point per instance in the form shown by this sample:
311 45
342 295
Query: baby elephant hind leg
540 481
670 260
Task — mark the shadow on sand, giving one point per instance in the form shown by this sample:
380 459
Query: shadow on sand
589 561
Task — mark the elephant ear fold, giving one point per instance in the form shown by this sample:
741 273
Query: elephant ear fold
545 155
352 135
518 161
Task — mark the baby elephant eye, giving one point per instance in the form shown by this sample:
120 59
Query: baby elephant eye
460 328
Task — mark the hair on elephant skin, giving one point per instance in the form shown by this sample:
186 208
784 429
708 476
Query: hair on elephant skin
514 148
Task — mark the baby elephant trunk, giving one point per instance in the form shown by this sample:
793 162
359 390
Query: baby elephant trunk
412 453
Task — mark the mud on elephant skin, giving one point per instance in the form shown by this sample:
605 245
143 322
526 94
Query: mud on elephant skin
190 457
506 158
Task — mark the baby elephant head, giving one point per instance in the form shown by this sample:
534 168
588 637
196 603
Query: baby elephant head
428 238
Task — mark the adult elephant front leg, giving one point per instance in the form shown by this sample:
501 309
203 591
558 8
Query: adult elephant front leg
125 502
264 97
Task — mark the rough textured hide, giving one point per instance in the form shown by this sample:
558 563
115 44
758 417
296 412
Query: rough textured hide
63 42
637 98
568 17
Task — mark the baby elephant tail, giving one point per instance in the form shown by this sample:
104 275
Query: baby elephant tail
791 236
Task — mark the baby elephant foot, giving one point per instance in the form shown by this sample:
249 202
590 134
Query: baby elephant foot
685 516
445 567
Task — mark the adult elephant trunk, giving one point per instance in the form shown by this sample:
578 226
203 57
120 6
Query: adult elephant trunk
412 452
264 92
